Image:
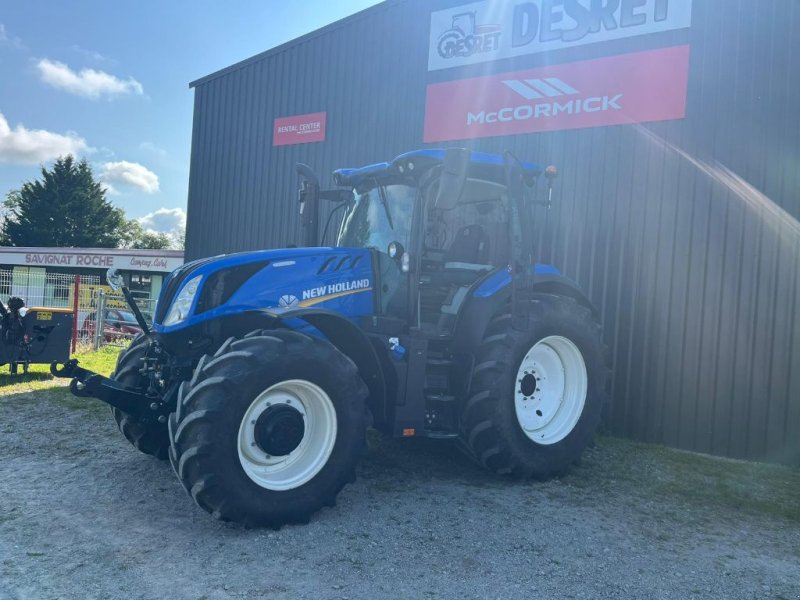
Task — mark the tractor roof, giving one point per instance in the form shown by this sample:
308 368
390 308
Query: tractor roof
488 166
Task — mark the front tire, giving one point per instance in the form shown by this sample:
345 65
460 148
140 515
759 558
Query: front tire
147 437
269 429
536 394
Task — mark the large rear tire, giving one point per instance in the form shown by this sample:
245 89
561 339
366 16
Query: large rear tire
148 437
536 395
269 429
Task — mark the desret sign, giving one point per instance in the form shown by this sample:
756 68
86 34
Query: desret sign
485 31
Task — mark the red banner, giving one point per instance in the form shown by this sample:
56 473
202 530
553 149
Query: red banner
299 129
617 90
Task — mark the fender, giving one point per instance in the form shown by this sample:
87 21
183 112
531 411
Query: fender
351 340
563 286
481 306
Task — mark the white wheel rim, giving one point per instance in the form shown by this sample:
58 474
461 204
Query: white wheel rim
550 390
304 462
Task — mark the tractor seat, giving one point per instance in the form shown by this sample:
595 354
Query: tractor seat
471 245
461 273
468 256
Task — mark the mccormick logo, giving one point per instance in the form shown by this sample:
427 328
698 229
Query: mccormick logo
465 37
532 89
630 88
535 89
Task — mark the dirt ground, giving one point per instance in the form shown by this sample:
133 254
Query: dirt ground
83 515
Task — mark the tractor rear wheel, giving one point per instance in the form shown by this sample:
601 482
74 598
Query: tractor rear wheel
536 395
269 429
148 437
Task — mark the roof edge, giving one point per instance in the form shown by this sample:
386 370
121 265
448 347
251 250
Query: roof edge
106 251
386 4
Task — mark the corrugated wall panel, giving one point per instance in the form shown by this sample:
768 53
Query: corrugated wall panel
684 233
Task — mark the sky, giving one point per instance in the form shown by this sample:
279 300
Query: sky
109 82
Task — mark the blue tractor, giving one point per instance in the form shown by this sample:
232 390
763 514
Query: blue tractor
428 317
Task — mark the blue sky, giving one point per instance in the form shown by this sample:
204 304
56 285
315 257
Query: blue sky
109 81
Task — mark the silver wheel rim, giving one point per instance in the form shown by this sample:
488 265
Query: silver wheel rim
302 464
550 390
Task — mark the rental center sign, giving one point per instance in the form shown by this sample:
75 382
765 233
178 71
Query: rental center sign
493 30
616 90
299 129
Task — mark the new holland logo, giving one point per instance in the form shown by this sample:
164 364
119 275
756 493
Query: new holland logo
287 300
547 89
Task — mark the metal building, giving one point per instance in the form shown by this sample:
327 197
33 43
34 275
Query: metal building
676 128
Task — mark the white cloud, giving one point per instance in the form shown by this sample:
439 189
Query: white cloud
164 220
88 83
131 173
12 41
151 147
109 189
31 146
93 55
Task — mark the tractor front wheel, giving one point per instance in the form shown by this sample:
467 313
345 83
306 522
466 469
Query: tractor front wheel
147 437
537 391
269 429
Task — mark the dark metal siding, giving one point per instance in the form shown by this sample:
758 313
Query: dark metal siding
684 233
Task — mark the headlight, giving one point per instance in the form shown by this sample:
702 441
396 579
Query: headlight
183 302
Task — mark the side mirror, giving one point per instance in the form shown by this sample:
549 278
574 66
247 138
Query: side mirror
453 178
308 199
398 253
395 250
550 173
308 192
115 279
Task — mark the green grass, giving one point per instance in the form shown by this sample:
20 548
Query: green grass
39 377
695 480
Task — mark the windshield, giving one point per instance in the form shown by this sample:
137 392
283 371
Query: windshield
378 217
127 317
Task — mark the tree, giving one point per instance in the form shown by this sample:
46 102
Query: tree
135 236
67 207
180 238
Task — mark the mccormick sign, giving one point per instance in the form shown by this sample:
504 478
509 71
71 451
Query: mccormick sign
485 31
299 129
617 90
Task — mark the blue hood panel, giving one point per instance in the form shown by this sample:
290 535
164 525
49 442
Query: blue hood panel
337 279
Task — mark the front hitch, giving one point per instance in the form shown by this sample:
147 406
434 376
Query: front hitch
88 384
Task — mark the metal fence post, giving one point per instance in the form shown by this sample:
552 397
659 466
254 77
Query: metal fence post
76 290
99 318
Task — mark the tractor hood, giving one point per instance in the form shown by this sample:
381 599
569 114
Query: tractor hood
339 279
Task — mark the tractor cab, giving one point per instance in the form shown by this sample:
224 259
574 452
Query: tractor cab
438 223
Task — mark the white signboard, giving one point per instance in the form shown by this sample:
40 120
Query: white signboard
132 261
494 29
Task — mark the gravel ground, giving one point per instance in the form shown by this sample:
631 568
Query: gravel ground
83 515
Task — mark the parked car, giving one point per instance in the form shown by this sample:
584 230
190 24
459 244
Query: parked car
117 323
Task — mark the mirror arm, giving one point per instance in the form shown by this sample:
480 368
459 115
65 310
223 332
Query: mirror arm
117 282
135 310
